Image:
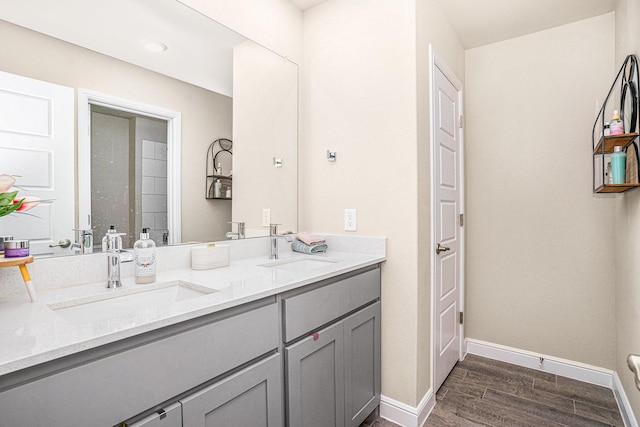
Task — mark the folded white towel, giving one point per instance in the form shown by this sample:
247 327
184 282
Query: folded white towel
310 239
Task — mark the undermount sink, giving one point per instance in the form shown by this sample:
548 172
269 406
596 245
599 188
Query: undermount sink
126 302
300 264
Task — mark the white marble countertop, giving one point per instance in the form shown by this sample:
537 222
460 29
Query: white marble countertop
33 333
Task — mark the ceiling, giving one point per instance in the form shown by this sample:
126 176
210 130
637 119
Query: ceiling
306 4
481 22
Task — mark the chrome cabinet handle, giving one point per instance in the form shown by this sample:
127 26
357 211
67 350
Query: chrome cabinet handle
64 243
440 248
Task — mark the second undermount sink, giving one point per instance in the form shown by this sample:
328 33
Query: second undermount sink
125 302
300 264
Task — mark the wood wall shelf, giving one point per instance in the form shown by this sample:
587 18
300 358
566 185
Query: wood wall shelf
615 188
622 96
611 141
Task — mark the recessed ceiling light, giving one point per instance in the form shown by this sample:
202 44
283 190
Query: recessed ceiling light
154 46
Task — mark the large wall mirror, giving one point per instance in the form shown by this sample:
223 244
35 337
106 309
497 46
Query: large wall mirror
109 108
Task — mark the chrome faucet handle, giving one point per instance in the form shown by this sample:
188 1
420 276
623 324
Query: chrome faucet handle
273 229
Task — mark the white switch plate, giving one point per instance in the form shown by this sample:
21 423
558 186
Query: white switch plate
266 217
350 220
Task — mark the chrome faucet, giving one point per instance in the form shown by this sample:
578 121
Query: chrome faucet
240 234
84 241
273 234
115 256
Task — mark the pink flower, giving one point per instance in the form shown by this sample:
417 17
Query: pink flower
6 182
28 202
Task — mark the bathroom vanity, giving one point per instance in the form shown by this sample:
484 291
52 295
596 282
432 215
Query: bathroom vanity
291 342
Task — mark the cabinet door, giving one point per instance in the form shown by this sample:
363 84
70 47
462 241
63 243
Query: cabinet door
361 364
315 386
171 416
249 398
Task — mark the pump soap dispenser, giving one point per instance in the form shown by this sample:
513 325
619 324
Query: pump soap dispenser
145 258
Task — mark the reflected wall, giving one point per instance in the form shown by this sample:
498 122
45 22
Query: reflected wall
206 115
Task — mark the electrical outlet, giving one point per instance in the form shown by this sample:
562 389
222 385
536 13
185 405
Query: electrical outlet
266 217
350 222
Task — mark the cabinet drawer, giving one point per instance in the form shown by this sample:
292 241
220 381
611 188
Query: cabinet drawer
114 388
305 312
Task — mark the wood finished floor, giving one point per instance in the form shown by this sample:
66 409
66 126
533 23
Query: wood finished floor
485 392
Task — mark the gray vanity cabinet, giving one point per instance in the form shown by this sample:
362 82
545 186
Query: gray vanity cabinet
333 371
249 398
223 368
315 386
362 364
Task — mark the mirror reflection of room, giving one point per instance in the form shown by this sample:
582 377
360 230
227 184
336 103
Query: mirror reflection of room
200 89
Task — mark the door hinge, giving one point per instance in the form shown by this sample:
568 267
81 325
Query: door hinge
461 220
461 318
460 121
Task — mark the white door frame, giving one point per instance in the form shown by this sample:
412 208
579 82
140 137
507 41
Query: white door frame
435 61
86 98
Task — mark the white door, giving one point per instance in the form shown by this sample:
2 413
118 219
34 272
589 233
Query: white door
37 146
447 194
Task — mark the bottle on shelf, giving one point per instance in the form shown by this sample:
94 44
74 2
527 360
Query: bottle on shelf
217 189
616 126
618 165
144 251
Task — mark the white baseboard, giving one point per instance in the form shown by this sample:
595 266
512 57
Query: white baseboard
405 415
623 403
554 365
565 368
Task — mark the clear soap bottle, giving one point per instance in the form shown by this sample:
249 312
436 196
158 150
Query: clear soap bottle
144 252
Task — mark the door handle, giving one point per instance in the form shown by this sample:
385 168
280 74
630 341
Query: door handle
64 243
633 360
440 248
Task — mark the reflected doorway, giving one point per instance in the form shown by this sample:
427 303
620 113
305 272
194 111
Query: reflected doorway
128 169
128 175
